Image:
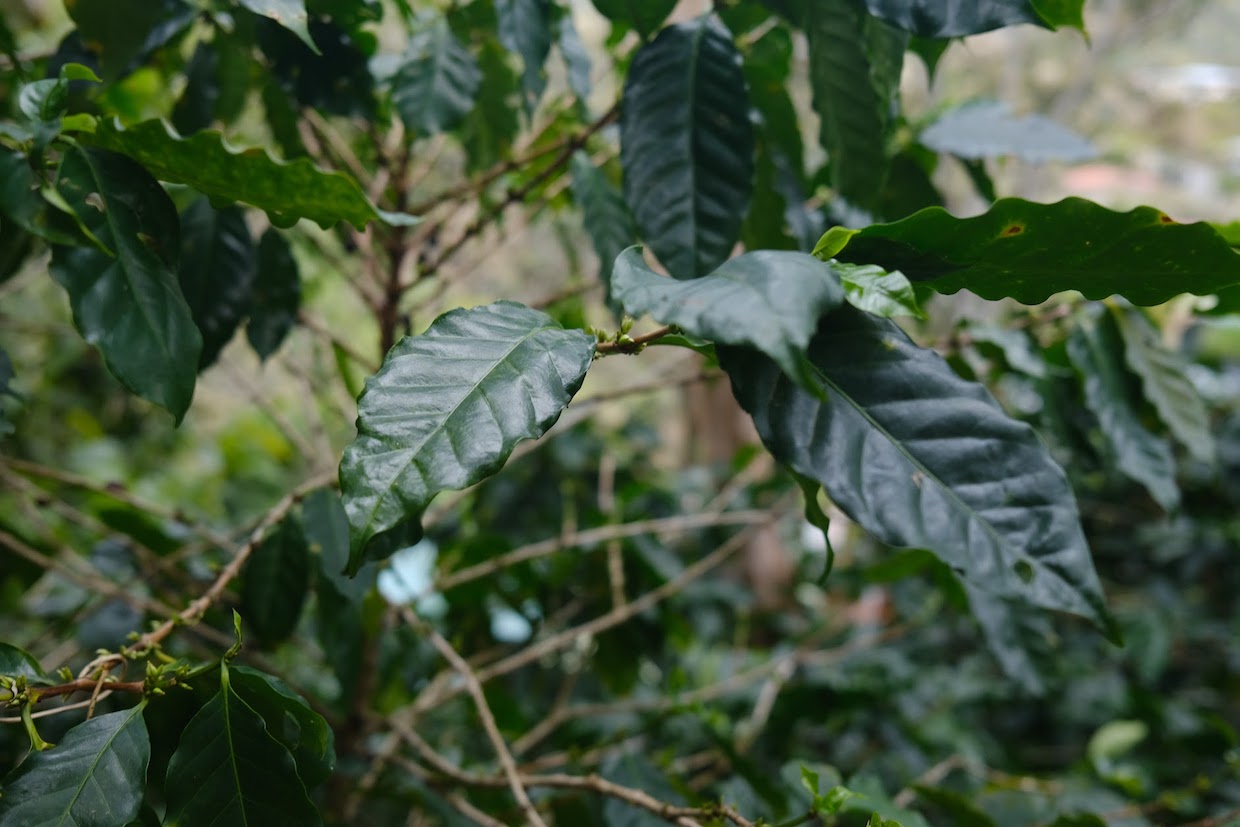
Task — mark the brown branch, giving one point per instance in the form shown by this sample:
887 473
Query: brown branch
38 693
632 344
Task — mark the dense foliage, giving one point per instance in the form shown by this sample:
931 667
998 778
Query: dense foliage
985 580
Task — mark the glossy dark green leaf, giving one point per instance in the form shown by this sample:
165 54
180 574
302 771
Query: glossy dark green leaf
770 300
290 720
989 129
276 297
95 776
21 201
924 459
1097 350
1164 377
336 81
127 301
217 83
228 769
287 190
1027 251
218 262
448 407
435 86
291 14
525 30
646 16
933 18
854 65
15 662
605 215
491 126
686 144
876 291
274 584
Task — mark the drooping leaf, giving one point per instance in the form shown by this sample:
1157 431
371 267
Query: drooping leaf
525 30
119 31
126 301
769 300
989 129
1097 351
646 16
291 14
576 59
1163 375
290 720
273 588
286 190
229 769
854 65
924 459
604 213
276 296
216 272
435 86
447 408
686 145
1027 251
877 291
933 18
95 776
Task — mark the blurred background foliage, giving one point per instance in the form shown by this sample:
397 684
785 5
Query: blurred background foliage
878 677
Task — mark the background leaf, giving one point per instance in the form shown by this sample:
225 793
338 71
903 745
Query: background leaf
16 662
448 406
95 776
127 301
603 212
273 589
924 459
525 30
118 31
933 18
1027 251
854 66
687 145
769 300
435 86
216 272
1097 351
291 14
646 16
286 190
276 296
228 769
1164 377
988 129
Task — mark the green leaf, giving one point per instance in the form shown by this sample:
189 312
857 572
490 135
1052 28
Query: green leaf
22 202
769 300
286 190
988 129
1163 375
854 69
924 459
291 14
119 31
876 291
228 769
216 273
963 812
435 86
15 662
1097 351
1019 349
1027 251
1056 13
605 215
686 145
525 30
1004 627
95 777
934 18
1114 739
646 16
576 59
273 589
126 300
276 296
447 408
289 720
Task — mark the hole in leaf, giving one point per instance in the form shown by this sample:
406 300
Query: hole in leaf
1165 219
1023 570
1013 229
